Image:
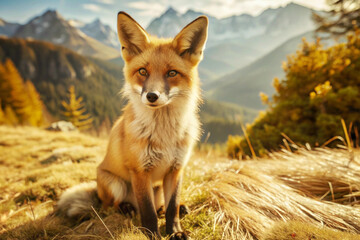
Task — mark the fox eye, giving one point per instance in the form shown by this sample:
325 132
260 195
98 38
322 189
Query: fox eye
142 71
172 73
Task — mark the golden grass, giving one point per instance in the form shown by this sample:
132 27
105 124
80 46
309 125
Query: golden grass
304 231
249 197
310 193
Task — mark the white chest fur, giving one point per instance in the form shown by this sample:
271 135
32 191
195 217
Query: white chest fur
165 130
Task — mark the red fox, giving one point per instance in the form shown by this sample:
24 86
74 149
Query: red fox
152 141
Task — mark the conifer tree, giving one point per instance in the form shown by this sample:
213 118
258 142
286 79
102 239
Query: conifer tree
17 97
36 118
10 116
20 102
75 111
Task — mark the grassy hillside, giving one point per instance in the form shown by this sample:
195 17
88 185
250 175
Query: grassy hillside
307 195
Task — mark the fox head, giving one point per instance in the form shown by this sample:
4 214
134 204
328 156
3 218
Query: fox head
157 71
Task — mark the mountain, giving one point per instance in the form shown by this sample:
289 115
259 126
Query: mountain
287 21
52 27
168 24
101 32
236 41
7 29
53 68
292 20
244 85
76 23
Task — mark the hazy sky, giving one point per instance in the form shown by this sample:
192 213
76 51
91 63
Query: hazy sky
142 10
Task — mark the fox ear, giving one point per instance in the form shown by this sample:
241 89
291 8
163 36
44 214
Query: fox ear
190 42
133 38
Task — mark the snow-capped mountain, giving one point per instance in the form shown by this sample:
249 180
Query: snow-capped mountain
7 28
287 21
52 27
292 20
238 40
168 24
101 32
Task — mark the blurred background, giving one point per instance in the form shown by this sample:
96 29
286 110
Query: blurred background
265 71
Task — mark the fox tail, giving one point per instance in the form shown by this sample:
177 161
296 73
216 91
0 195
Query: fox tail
76 202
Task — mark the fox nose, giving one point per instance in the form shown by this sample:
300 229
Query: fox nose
152 97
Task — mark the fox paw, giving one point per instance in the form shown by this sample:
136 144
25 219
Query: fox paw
178 236
127 209
183 210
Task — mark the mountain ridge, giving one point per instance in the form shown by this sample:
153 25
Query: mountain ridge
52 27
238 40
7 28
101 32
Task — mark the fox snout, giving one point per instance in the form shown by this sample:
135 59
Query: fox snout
152 97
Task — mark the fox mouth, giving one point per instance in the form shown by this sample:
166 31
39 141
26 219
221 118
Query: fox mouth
155 106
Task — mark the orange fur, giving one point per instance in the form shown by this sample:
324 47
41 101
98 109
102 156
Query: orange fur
152 141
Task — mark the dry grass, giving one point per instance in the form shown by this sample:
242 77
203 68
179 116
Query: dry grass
305 231
249 197
312 194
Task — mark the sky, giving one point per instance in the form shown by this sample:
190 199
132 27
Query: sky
143 11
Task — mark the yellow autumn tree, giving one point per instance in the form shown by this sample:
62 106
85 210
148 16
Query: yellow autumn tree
36 118
2 115
20 102
321 86
75 111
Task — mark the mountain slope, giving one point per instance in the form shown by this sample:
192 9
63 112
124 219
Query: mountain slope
101 32
7 28
53 69
220 119
51 27
244 85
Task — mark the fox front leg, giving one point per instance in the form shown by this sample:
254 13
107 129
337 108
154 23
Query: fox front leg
172 185
142 187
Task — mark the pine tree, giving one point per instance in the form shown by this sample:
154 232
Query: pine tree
10 116
20 102
36 118
344 15
75 111
17 97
